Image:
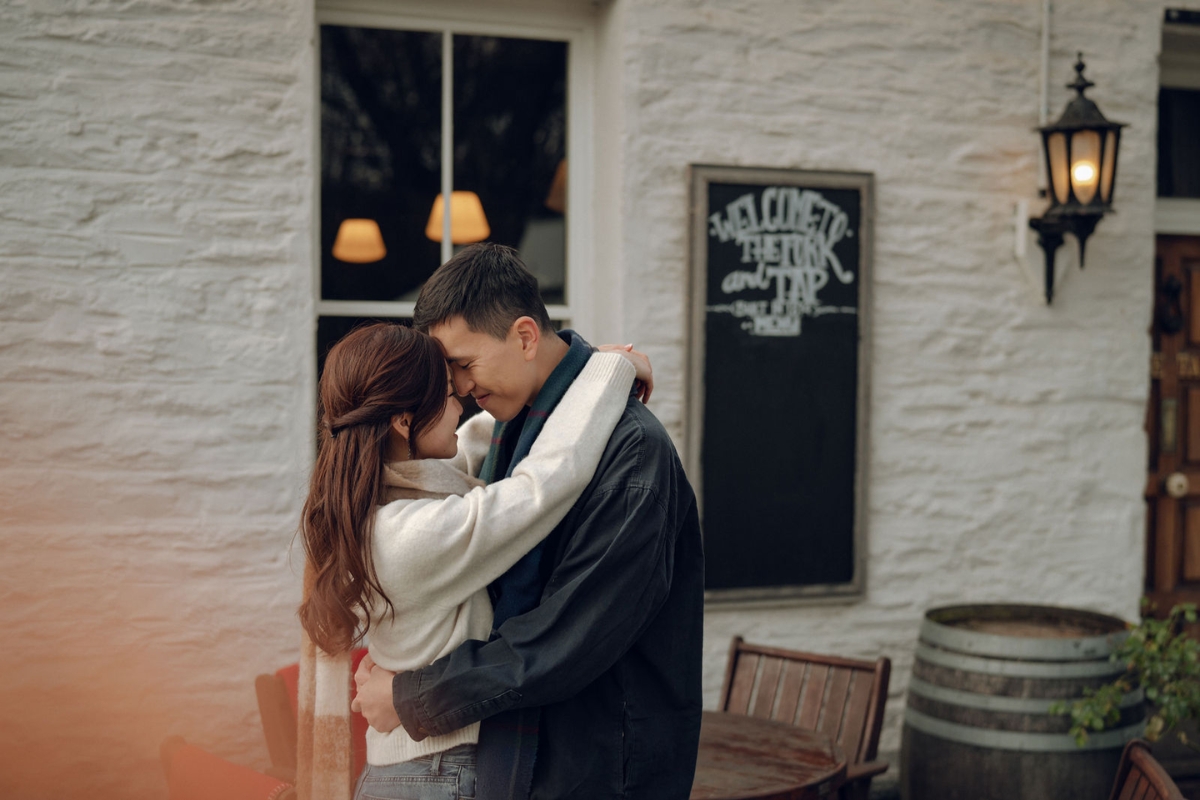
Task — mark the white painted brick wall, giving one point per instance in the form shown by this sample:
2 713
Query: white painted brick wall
155 352
1007 453
156 334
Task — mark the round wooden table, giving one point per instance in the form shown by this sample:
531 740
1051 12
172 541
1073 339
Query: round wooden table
746 757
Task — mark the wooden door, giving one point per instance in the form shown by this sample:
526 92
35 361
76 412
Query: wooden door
1173 425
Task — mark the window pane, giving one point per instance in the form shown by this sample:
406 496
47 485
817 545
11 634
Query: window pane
510 137
331 329
1178 134
1085 164
381 111
1056 147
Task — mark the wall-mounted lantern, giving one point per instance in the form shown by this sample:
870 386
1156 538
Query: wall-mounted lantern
1081 163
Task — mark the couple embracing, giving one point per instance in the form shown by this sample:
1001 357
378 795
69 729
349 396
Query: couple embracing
529 585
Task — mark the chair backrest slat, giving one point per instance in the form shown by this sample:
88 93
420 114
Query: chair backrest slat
742 685
843 698
1133 782
768 684
857 703
835 704
278 719
1141 777
813 698
789 693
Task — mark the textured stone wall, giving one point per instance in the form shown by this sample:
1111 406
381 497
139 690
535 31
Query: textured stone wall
156 330
1007 456
156 358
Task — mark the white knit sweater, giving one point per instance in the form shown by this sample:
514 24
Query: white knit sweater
438 547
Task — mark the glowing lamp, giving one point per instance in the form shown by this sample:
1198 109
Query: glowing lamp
467 221
359 242
1081 160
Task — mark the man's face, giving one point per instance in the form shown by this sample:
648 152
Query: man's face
500 375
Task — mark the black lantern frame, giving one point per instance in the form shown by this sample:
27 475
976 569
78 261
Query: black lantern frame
1080 151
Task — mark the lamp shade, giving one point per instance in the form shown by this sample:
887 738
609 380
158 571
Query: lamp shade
1081 155
359 242
467 221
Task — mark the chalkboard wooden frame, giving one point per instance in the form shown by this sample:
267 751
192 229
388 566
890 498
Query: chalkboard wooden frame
701 178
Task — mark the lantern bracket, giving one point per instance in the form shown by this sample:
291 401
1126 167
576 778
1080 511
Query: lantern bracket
1050 231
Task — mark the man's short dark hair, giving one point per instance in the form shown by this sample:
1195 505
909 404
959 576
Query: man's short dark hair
488 286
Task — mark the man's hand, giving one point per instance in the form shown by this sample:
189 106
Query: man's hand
361 676
644 376
373 698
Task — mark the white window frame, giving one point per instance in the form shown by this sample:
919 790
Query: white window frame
571 21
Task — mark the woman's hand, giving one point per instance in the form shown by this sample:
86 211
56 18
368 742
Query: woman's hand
373 695
644 377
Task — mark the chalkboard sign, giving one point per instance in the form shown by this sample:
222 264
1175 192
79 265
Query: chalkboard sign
777 408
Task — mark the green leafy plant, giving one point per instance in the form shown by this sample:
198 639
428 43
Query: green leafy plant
1161 659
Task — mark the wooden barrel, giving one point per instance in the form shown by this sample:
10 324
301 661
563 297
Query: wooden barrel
977 727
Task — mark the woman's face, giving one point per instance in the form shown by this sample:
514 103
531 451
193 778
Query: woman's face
440 440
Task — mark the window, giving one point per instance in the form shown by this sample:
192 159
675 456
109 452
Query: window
1178 132
413 110
1177 209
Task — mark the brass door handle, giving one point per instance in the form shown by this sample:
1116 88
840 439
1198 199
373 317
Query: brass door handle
1177 485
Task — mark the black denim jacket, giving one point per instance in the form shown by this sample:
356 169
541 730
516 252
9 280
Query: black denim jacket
612 653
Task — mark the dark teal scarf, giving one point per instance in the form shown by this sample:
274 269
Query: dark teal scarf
508 741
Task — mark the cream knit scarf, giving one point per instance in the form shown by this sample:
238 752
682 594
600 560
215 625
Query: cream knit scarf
323 745
324 751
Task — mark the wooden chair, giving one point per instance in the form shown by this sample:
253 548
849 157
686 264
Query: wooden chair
840 697
1141 777
277 706
195 774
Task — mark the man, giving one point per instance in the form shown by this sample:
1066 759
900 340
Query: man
590 684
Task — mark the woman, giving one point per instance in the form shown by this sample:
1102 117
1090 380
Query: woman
415 576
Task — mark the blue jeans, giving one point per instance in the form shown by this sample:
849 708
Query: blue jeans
449 775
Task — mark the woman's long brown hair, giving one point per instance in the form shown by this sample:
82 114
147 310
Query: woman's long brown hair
376 372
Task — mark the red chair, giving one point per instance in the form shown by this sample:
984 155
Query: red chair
195 774
1141 777
277 706
840 697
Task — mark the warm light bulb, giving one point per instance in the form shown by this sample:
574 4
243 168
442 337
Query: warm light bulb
1084 172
